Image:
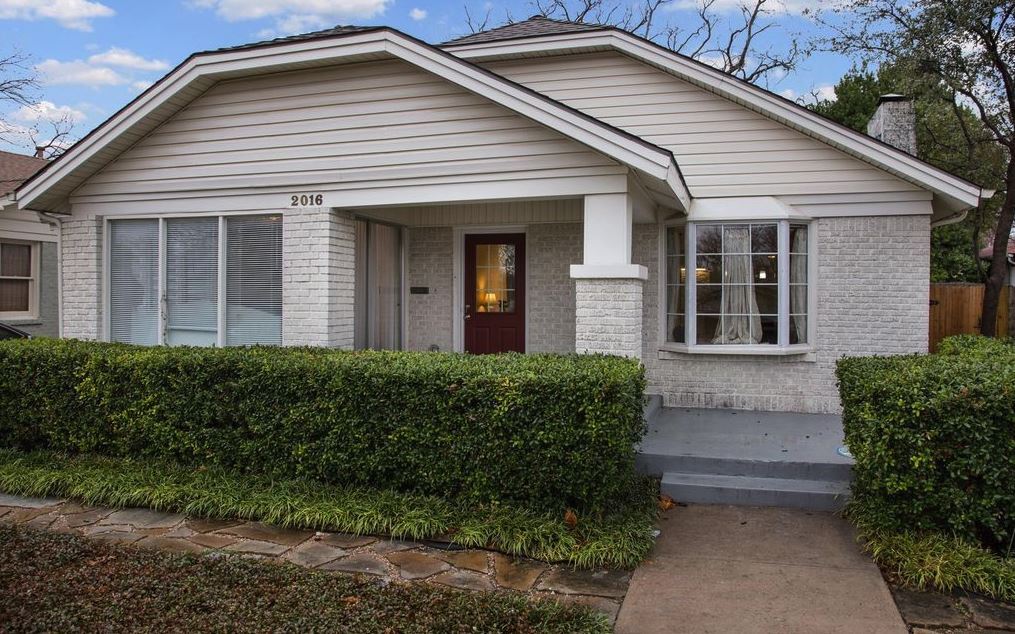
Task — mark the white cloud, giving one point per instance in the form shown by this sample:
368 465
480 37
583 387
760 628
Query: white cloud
417 14
141 86
293 16
826 93
79 72
126 59
789 93
71 14
47 111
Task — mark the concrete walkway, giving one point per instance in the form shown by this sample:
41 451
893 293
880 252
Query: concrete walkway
742 569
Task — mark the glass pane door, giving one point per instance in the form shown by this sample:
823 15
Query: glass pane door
192 281
134 281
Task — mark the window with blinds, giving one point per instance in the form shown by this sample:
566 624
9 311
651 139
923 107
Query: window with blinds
192 256
18 279
134 281
184 281
253 280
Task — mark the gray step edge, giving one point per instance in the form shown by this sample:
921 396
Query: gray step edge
657 464
738 490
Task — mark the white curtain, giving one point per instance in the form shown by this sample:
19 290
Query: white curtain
798 292
741 320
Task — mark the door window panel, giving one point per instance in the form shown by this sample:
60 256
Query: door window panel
495 278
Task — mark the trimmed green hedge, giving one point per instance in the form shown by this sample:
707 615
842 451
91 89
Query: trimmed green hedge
934 439
546 431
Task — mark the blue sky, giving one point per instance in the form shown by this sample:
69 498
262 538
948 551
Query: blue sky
94 56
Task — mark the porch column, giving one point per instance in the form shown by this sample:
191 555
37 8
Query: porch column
82 277
318 278
608 287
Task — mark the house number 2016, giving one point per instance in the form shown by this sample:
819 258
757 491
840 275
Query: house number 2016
306 200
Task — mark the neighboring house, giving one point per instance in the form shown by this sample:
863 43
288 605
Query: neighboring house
541 187
987 253
28 255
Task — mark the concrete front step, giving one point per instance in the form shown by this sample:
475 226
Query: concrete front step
657 463
699 488
746 458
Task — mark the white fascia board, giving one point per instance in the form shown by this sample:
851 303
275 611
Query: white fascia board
213 66
743 208
892 160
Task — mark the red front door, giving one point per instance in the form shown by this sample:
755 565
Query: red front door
494 293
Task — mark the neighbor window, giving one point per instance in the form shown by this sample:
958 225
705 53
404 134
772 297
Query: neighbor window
19 276
203 281
736 283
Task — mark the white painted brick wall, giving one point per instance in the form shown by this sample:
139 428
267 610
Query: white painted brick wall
431 265
608 316
873 292
318 280
82 277
551 249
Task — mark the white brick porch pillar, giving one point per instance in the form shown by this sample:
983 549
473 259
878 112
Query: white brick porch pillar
608 287
81 241
318 278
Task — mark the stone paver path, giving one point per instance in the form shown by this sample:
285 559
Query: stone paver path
429 562
739 569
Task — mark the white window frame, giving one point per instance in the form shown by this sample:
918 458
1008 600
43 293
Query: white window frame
220 339
33 281
690 296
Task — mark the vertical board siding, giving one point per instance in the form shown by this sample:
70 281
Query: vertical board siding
956 308
338 128
723 148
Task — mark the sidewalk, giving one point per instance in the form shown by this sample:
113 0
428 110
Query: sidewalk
740 569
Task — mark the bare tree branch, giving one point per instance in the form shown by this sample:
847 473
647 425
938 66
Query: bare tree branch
745 45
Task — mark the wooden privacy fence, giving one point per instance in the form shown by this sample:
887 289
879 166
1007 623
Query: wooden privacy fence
956 307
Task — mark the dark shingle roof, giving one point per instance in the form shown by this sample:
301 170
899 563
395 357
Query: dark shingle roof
533 27
313 35
16 169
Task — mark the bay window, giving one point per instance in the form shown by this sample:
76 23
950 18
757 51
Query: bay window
203 281
737 284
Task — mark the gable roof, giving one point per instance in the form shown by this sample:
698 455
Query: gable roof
16 169
48 190
953 195
533 27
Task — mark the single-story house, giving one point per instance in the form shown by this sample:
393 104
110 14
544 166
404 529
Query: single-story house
28 255
540 187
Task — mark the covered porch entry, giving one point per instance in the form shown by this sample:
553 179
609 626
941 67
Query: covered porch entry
496 276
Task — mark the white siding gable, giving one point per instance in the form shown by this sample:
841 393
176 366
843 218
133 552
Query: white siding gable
723 148
371 125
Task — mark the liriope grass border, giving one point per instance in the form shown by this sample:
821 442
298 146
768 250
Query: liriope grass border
621 539
934 561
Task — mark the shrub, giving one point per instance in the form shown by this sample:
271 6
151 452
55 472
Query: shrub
934 440
621 537
547 431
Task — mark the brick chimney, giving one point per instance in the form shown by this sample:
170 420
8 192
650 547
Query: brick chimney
40 151
894 122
